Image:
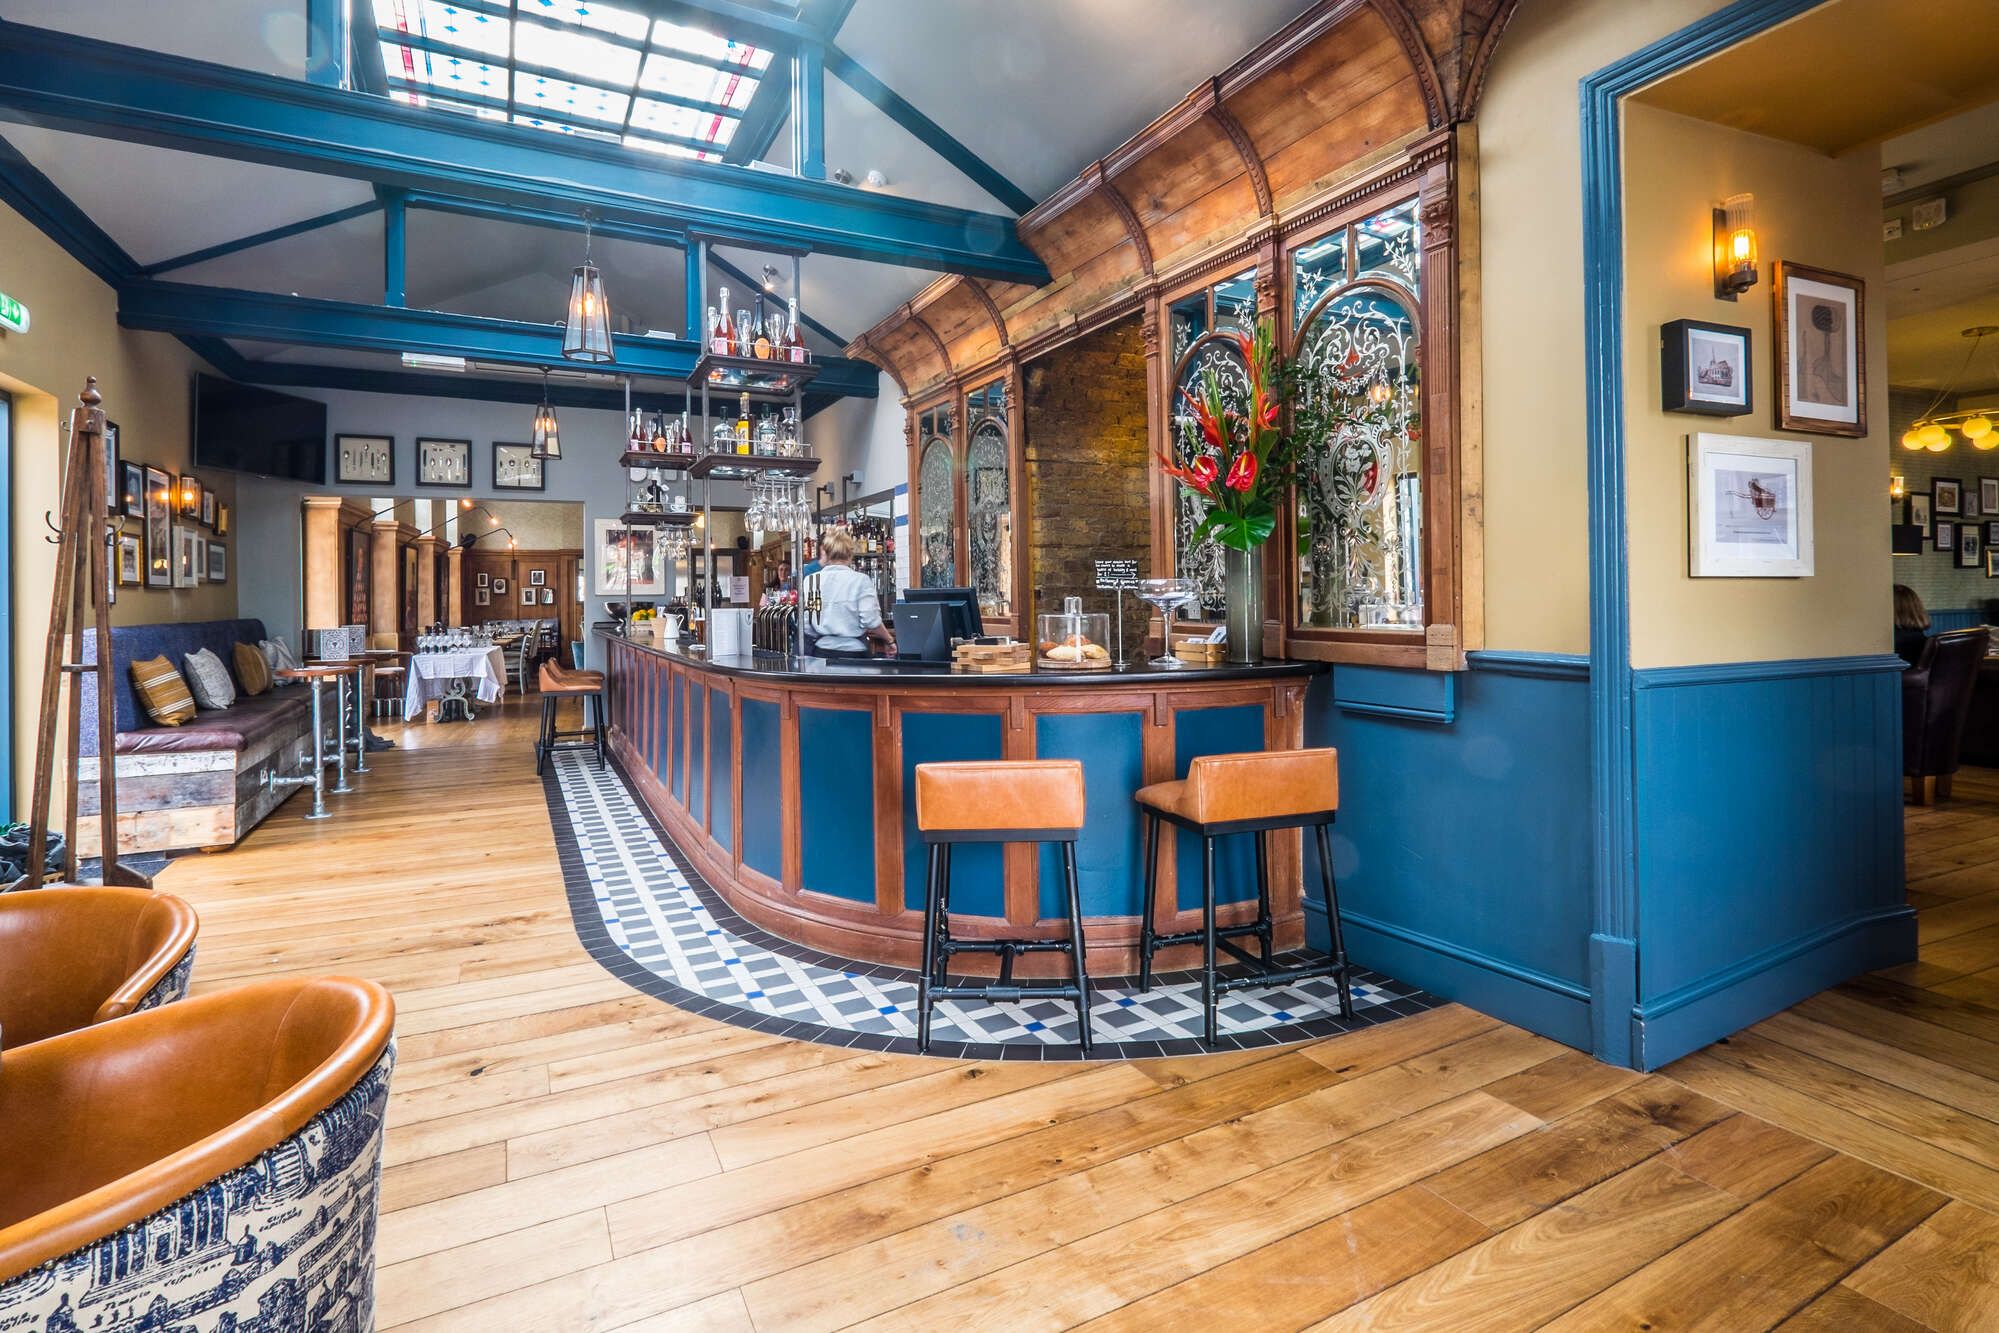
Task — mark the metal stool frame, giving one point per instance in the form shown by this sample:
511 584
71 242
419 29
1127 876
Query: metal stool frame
589 736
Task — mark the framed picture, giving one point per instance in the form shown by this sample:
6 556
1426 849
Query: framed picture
1704 368
132 489
499 587
529 596
1750 507
1988 495
444 462
1991 534
190 558
537 577
218 563
1946 496
128 562
1916 510
113 475
364 460
221 519
515 468
1945 534
207 507
630 561
1991 562
358 576
1821 351
482 579
1970 546
159 529
1970 509
482 597
548 597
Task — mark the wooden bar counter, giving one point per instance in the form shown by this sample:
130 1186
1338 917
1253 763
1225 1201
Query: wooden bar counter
787 784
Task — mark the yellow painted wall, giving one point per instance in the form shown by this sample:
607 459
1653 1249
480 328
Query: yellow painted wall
145 379
1530 183
1815 210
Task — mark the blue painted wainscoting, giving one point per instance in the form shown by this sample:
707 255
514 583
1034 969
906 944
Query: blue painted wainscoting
1955 618
1769 841
1463 842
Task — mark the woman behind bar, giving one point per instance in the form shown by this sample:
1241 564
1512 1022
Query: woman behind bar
849 611
1912 624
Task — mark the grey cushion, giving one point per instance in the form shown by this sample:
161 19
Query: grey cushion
208 680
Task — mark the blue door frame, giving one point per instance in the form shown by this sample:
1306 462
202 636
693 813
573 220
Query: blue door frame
6 607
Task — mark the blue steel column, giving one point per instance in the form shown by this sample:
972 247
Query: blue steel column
808 111
326 42
395 249
697 276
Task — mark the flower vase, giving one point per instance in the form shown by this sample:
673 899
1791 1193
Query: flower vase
1242 572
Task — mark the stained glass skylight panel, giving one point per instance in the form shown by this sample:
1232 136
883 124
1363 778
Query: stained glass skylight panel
572 67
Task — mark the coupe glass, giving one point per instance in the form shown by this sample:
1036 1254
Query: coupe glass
1168 596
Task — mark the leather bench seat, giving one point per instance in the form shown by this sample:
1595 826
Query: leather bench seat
250 722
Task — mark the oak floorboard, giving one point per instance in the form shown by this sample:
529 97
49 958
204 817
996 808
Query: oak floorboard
1836 1167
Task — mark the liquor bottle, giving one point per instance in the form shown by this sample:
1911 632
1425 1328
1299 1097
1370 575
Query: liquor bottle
636 440
725 344
658 442
686 435
743 425
794 345
762 343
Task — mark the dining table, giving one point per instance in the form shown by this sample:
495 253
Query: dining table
476 672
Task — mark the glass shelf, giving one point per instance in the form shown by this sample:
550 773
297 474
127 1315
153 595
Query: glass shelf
658 462
744 465
751 375
651 518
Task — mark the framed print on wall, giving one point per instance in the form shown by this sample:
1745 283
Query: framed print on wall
444 463
515 468
1945 534
128 562
1916 510
631 561
1704 368
1988 495
529 596
1946 496
132 489
364 460
482 597
190 558
207 508
1970 546
1821 351
1750 507
113 473
159 529
218 563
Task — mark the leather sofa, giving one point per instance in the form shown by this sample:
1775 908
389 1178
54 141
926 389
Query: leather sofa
1936 701
72 957
201 784
212 1165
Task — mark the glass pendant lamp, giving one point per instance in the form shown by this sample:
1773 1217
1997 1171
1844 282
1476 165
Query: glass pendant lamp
547 442
587 334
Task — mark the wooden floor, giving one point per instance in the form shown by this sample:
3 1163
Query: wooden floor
564 1153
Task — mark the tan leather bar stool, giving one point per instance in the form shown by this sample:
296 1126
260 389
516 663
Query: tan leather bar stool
558 683
1225 794
1035 800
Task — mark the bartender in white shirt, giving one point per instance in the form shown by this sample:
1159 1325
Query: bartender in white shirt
849 615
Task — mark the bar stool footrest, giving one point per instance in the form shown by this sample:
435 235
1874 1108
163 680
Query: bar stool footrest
1004 993
1195 936
1280 975
952 944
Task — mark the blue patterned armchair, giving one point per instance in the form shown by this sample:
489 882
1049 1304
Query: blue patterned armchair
71 957
211 1166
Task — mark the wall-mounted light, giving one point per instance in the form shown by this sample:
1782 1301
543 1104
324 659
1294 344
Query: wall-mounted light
1897 487
1735 246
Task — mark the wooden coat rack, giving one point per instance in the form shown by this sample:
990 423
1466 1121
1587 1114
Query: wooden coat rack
83 543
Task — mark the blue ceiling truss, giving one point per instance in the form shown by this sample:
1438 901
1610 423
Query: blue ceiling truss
256 239
927 131
100 88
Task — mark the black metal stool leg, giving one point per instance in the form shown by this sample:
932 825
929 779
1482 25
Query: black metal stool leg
1145 931
1208 976
541 740
941 927
1337 936
923 982
1076 945
1263 893
597 712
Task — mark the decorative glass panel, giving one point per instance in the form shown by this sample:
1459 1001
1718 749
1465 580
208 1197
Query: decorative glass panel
938 552
1189 319
577 51
534 95
989 503
1316 269
1390 245
1202 561
1360 504
1235 302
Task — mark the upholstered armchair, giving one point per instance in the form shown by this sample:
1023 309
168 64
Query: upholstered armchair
71 957
208 1166
1936 699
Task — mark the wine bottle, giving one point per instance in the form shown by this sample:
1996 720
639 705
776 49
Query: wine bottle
717 341
726 345
794 345
743 425
762 337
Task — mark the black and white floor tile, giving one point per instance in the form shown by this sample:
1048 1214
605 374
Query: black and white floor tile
654 923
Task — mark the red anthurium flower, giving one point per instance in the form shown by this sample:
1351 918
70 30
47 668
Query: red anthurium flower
1203 471
1242 472
1269 417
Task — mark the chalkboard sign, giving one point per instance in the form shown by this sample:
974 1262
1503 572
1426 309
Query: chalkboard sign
1115 575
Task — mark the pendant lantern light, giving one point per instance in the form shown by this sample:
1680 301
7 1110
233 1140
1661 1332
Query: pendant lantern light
587 334
547 443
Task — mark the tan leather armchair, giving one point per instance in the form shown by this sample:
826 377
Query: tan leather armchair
73 957
217 1156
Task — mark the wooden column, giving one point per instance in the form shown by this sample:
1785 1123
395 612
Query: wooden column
427 551
384 603
323 587
454 584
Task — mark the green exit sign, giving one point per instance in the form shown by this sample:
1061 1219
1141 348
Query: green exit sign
13 315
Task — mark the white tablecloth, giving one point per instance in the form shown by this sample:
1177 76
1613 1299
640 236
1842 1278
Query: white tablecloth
431 675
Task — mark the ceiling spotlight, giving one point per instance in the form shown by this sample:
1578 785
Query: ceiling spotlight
840 174
770 276
877 179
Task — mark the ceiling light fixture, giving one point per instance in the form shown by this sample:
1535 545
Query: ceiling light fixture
433 361
547 443
1932 429
586 336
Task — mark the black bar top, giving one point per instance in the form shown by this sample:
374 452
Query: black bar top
787 669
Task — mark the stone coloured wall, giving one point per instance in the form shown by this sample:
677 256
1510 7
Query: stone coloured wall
1086 468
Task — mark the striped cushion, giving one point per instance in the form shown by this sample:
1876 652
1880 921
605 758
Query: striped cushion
251 668
162 693
208 680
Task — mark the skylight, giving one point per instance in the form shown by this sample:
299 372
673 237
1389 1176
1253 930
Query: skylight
575 67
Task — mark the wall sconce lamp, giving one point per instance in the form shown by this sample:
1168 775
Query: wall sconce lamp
1897 487
1735 246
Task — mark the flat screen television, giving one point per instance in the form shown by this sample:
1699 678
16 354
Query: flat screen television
247 429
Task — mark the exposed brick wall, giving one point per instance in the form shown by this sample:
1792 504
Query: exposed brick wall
1086 468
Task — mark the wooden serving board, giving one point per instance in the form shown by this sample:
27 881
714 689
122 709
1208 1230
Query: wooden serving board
992 659
1050 664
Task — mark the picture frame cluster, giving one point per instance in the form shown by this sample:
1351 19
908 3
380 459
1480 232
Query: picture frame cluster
441 463
182 524
1959 520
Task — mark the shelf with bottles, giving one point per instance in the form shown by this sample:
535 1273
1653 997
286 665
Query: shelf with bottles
753 349
658 441
747 465
658 518
740 374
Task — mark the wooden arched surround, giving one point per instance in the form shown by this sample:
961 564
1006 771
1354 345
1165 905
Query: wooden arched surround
1354 104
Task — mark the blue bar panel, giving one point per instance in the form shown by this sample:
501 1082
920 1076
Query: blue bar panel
763 788
1199 731
721 771
836 802
677 753
1110 862
978 876
697 752
664 732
